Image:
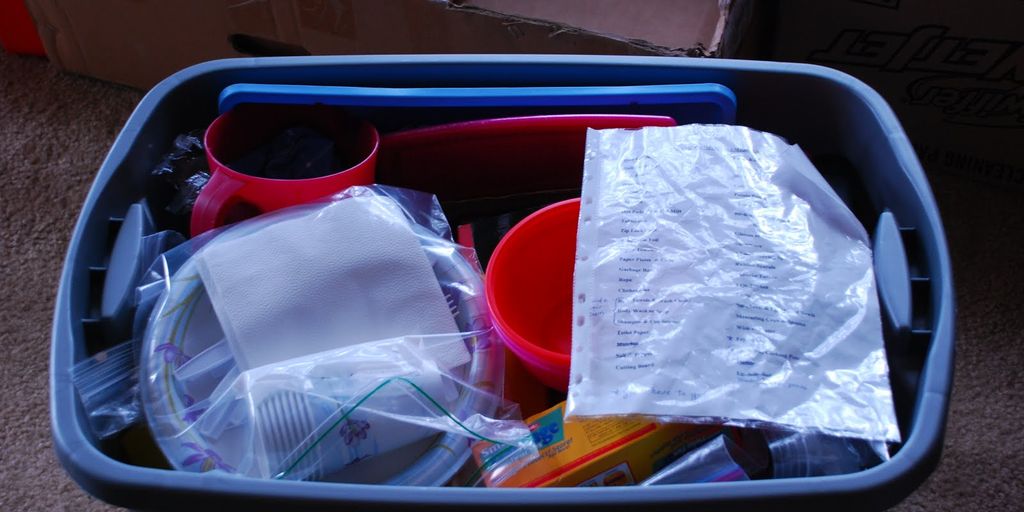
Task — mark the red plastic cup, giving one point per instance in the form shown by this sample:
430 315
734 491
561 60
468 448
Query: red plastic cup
230 195
529 290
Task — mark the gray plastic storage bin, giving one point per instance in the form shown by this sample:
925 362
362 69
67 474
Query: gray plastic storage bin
845 127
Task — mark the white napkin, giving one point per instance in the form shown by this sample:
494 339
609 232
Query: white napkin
350 272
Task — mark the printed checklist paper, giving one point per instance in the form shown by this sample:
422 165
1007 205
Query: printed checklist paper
720 279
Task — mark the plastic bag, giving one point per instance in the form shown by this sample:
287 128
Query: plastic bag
107 382
154 247
298 152
797 454
719 279
400 408
314 416
185 168
718 460
107 385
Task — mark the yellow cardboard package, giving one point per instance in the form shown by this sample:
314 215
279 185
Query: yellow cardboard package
597 452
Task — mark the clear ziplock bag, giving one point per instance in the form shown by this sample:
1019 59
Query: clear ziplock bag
345 340
107 382
107 385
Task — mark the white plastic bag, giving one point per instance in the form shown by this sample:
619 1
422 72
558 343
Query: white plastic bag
720 279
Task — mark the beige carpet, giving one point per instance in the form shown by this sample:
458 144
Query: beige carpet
55 130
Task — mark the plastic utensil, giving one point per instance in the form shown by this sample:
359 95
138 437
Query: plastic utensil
529 290
231 195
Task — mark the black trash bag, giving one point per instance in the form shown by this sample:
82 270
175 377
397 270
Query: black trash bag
185 168
298 152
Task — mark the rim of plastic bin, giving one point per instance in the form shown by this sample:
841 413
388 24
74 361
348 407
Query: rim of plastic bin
128 485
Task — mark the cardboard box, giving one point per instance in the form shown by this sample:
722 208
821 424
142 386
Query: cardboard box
598 452
953 71
139 42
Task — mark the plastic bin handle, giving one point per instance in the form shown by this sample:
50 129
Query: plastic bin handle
892 272
213 202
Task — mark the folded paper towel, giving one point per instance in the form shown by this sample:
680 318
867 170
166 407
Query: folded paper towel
350 272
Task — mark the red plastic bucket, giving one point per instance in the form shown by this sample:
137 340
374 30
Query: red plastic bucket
529 290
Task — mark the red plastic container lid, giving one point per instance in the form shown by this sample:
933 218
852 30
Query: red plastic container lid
497 157
17 30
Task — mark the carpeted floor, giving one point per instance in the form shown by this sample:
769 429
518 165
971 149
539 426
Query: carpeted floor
55 130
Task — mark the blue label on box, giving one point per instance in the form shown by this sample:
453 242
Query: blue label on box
547 430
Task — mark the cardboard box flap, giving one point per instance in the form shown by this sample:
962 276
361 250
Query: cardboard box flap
665 27
139 42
